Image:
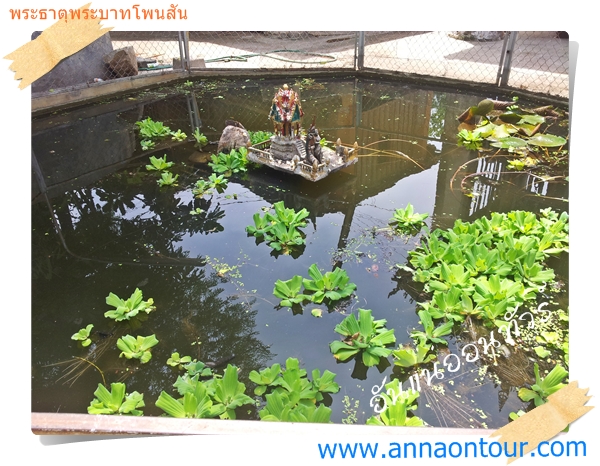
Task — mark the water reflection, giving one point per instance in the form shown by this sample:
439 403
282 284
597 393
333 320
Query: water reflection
102 224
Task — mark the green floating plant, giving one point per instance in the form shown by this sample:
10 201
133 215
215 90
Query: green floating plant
83 335
150 129
126 309
201 139
228 164
489 267
206 399
329 286
257 137
290 395
280 229
289 291
195 403
159 163
543 388
406 356
397 405
178 361
178 135
469 139
431 334
334 285
137 348
363 335
116 401
167 179
406 220
147 144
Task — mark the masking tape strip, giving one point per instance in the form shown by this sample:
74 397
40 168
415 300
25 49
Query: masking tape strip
547 420
36 58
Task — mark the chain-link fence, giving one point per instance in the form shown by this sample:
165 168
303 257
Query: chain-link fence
534 61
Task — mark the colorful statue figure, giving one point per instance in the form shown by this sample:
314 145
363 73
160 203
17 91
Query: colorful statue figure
286 112
291 152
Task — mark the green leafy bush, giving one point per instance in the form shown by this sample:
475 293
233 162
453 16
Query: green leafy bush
257 137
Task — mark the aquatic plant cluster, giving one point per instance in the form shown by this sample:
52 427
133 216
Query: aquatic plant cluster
484 271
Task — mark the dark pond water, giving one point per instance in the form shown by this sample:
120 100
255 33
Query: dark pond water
106 226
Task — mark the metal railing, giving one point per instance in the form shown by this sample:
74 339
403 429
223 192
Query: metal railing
533 61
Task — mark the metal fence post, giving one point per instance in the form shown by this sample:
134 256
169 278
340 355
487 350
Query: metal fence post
359 57
184 50
508 52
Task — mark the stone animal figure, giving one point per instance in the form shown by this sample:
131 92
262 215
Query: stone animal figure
234 136
313 146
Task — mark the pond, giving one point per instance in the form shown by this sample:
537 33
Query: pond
102 224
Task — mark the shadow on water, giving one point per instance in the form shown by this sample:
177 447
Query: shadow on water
102 224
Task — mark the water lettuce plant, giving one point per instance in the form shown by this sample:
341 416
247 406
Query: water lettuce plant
147 144
219 396
150 129
216 182
201 139
543 388
290 395
431 334
397 405
116 401
364 335
178 361
289 291
167 179
83 335
280 228
406 356
178 135
328 286
126 309
228 164
281 408
488 267
406 220
159 163
334 285
137 348
195 403
469 139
